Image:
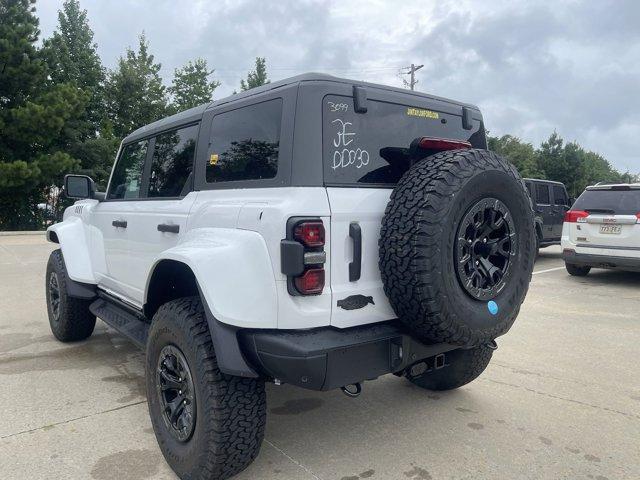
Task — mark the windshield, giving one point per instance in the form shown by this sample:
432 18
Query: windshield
615 202
373 147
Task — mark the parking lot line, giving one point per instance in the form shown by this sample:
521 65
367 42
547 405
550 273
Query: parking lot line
548 270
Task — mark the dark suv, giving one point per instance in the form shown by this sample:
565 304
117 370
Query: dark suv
550 203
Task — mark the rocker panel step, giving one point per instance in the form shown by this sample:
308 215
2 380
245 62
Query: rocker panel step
125 322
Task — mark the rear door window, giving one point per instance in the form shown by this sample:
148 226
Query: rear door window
171 169
615 202
542 194
373 147
127 175
560 196
245 143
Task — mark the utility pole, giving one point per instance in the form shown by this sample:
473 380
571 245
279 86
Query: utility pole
412 72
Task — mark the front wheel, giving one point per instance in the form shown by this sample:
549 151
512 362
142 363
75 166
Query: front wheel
576 270
460 367
209 425
69 317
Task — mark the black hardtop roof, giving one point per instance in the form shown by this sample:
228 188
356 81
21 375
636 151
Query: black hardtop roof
195 114
542 180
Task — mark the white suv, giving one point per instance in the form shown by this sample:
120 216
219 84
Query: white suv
314 231
602 230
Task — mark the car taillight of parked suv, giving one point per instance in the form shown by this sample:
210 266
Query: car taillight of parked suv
602 230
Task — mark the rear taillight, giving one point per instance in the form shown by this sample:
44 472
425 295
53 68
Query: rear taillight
638 217
310 234
576 216
311 282
440 144
303 257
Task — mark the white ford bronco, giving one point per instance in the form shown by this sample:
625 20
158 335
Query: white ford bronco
315 231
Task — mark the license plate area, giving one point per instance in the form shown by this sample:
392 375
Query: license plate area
611 229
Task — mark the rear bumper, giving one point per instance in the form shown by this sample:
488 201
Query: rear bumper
327 358
601 261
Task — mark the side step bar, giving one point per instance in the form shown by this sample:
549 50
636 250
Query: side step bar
123 318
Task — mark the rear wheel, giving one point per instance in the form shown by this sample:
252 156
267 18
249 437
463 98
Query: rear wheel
576 270
460 367
69 317
209 425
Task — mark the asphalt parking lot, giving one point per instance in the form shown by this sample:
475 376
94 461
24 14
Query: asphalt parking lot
561 398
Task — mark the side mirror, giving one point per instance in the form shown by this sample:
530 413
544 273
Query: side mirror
79 187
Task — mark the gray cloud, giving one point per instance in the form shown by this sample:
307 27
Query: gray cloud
570 65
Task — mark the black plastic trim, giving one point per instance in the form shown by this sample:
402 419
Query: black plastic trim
359 99
169 228
327 358
125 319
86 291
467 118
291 257
355 267
601 261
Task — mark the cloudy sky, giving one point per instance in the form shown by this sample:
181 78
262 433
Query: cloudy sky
532 67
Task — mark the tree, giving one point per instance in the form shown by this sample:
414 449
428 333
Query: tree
72 57
520 153
191 85
257 77
135 94
33 116
21 69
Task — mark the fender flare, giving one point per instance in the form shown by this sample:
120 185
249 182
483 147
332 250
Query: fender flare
71 235
235 280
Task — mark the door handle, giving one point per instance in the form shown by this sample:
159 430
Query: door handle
169 228
355 267
119 223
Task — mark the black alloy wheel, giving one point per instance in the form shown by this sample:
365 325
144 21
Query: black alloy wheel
176 393
54 296
485 245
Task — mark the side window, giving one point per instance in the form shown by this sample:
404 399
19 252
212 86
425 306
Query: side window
172 163
542 192
560 196
244 143
127 175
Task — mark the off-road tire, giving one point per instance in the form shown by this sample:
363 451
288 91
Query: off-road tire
461 367
73 320
576 270
417 246
230 411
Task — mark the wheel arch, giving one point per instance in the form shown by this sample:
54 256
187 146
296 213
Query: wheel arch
172 279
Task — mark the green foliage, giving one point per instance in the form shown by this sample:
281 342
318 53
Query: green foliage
21 68
256 78
191 85
520 153
135 94
554 160
72 57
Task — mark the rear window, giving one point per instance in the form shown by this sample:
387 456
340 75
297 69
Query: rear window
559 196
373 147
617 202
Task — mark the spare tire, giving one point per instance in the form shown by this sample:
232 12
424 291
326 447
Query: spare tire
457 247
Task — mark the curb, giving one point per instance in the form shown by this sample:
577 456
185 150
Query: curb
25 232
